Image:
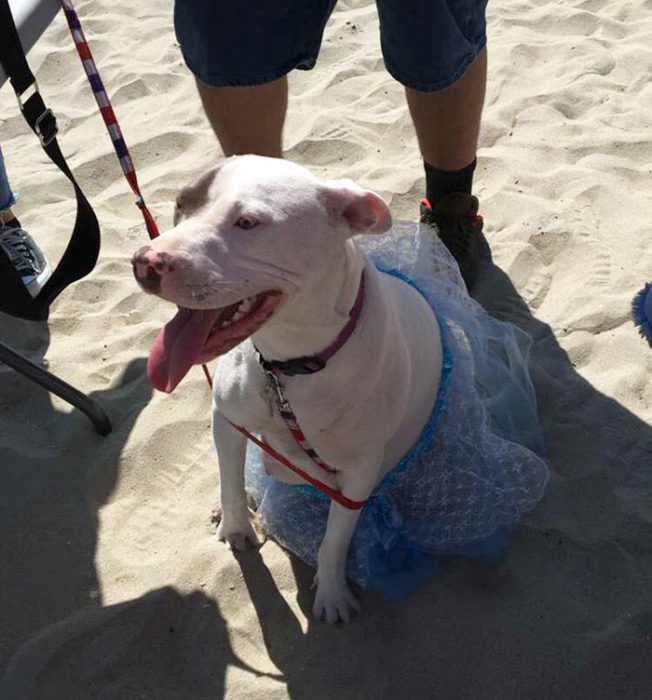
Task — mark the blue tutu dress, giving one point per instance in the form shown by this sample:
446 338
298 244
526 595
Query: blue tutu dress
477 466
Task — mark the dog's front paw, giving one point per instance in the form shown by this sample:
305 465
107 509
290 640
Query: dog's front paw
334 601
238 533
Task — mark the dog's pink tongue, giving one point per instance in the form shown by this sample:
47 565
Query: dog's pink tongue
178 346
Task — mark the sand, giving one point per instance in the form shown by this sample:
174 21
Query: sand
113 584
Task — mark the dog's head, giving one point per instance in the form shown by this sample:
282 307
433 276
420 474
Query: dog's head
246 238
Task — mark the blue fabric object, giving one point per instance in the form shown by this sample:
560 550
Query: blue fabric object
642 311
477 466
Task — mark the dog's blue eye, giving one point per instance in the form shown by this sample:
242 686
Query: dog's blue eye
246 222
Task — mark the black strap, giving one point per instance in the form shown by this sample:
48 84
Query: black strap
297 365
80 255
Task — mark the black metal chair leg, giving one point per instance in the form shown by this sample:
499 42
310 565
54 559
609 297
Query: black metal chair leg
57 386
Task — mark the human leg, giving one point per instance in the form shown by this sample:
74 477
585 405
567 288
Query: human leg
447 122
240 55
447 125
437 50
247 119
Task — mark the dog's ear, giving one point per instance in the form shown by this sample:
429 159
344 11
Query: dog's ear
193 197
362 210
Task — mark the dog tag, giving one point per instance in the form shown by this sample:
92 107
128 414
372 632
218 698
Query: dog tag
275 392
270 396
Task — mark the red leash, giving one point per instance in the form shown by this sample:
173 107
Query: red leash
333 494
127 165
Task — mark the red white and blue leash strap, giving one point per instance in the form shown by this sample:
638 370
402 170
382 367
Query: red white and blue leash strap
311 364
290 419
111 121
108 115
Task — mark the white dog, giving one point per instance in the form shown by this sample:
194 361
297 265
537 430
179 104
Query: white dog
262 263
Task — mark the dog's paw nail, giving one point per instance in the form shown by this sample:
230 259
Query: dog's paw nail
239 540
333 616
336 606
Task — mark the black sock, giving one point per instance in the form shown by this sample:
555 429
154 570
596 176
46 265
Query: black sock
439 183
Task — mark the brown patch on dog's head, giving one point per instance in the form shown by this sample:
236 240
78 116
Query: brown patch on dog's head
193 197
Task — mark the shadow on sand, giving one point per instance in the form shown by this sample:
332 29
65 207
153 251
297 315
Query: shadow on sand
56 474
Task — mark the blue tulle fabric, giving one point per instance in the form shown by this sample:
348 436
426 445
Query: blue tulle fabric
477 466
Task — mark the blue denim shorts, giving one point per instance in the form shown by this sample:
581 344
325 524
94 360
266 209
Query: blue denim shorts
7 197
427 44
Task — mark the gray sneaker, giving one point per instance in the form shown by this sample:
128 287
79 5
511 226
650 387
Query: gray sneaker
26 257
